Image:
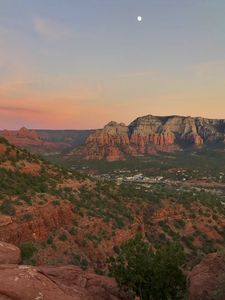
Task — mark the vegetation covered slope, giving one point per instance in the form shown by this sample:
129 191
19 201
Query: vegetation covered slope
58 216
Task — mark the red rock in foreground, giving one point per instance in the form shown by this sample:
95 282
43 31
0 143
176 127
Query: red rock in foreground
9 254
55 283
207 279
51 283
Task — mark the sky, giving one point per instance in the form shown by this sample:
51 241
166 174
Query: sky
78 64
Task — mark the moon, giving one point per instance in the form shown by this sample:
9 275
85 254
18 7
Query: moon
139 18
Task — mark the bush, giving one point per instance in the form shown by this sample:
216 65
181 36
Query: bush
7 208
27 250
179 223
79 261
63 237
50 240
27 217
55 203
149 275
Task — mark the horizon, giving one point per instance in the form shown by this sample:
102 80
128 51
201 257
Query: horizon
127 124
86 63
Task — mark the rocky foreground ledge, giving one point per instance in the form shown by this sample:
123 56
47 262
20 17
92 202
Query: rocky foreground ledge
206 281
55 283
19 282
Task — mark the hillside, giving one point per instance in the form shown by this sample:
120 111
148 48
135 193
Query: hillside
65 217
149 135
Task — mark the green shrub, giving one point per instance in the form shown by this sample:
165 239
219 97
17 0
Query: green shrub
149 275
73 231
63 237
55 203
79 261
7 208
179 223
27 217
50 240
27 250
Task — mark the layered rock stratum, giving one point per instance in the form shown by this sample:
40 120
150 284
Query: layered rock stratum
150 134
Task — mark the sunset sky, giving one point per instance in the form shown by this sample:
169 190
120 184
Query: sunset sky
81 63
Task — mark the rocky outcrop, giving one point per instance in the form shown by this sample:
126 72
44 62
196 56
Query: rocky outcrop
44 220
19 282
9 254
58 283
150 134
27 133
207 280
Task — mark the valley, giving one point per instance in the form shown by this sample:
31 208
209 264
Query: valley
60 208
78 213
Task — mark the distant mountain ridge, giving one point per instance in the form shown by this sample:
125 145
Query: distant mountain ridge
145 135
150 134
41 141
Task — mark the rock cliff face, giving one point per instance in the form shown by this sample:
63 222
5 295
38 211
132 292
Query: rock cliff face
109 142
149 134
45 219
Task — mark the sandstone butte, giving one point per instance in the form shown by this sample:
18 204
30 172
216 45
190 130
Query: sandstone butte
150 134
22 133
206 281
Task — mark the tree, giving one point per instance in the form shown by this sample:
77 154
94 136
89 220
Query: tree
151 276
